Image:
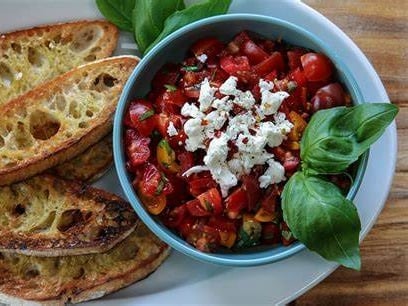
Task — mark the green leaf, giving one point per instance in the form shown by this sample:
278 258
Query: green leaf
149 17
147 114
192 13
190 68
322 219
336 137
170 87
119 12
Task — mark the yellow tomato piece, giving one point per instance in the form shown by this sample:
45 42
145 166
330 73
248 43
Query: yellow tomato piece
154 204
299 125
227 239
167 157
263 215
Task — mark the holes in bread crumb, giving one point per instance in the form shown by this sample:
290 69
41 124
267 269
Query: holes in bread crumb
85 38
1 256
35 58
31 272
78 273
68 219
21 137
90 58
57 39
43 125
74 110
60 102
96 49
6 76
89 113
45 224
83 125
103 81
128 253
16 47
19 210
2 143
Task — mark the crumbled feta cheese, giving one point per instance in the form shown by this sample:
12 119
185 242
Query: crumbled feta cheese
240 124
216 119
245 99
206 95
273 175
229 87
190 110
195 169
195 134
202 58
223 104
171 130
271 101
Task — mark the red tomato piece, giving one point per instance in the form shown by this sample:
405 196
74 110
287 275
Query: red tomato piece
186 161
211 201
250 185
226 228
140 116
137 148
294 56
234 65
317 66
254 53
235 203
273 62
209 46
195 208
329 96
168 75
201 184
171 101
154 182
299 77
204 238
175 216
270 233
186 225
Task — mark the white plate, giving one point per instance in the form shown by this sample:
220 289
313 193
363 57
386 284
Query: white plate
181 280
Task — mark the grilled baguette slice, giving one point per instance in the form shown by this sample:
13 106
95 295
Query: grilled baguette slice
54 281
48 216
33 56
60 119
88 166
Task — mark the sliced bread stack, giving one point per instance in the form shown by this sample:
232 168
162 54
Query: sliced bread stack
60 239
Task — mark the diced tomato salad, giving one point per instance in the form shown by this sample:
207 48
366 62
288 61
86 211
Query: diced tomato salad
155 139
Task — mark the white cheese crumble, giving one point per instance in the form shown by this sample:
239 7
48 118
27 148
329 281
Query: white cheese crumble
251 136
171 130
202 58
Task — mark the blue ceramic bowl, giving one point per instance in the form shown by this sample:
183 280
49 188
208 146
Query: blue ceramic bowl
173 49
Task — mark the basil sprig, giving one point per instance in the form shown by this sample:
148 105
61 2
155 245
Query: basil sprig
152 20
315 210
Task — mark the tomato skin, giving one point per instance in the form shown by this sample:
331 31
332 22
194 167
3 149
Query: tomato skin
154 182
201 184
254 53
235 64
137 148
250 185
171 101
294 56
139 116
329 96
195 209
154 204
235 203
186 225
273 62
299 77
211 201
317 67
209 46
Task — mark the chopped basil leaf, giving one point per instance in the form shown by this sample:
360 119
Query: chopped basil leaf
208 206
160 187
190 68
170 87
146 115
165 145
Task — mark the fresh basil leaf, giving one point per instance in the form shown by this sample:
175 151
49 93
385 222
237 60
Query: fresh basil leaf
190 68
192 13
336 137
170 87
147 114
149 17
322 219
118 12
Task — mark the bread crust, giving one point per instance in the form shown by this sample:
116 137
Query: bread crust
22 53
47 216
115 269
59 147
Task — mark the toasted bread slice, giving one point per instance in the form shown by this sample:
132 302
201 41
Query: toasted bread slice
54 281
60 119
48 216
88 166
33 56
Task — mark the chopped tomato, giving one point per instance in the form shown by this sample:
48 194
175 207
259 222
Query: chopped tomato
154 204
270 233
204 238
195 208
211 201
299 125
329 96
235 203
168 75
317 66
299 77
171 101
250 186
140 116
273 62
254 53
209 46
166 157
175 216
186 225
234 65
137 148
154 182
201 184
294 56
186 160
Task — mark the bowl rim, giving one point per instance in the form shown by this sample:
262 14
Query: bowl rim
118 150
